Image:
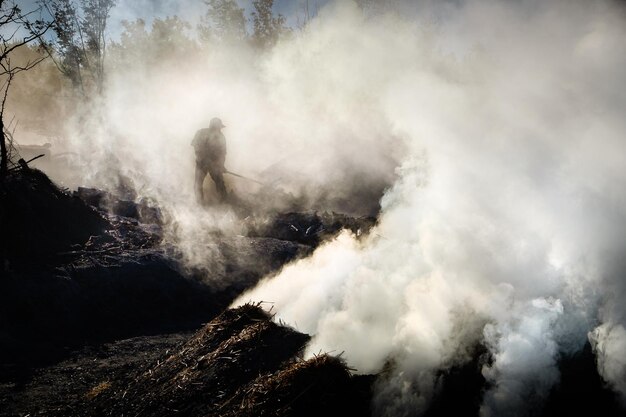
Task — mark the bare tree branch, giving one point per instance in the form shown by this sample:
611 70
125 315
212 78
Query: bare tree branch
12 18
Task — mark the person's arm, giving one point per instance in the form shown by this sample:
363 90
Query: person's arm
195 140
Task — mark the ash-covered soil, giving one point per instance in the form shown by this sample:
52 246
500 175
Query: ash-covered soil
91 293
55 389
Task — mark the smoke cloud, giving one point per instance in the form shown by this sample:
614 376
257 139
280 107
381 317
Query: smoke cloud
507 216
494 132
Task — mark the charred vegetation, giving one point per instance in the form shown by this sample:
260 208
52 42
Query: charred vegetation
239 364
88 268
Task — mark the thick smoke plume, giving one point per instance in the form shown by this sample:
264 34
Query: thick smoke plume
506 224
497 130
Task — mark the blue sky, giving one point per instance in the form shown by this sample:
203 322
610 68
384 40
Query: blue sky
190 10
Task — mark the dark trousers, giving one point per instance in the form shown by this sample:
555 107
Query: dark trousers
217 175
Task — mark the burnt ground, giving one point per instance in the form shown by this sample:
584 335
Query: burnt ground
53 388
108 322
239 364
89 291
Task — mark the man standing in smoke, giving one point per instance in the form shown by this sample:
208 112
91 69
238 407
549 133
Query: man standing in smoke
210 147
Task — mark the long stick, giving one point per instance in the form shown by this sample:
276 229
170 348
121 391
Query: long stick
241 176
21 166
37 157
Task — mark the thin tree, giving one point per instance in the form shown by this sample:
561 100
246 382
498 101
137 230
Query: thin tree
79 47
16 30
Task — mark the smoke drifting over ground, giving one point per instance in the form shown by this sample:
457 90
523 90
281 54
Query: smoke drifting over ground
506 224
288 125
496 129
293 122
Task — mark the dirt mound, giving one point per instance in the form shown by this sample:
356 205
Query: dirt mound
38 219
239 364
319 386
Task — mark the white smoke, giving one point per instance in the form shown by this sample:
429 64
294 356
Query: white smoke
505 219
510 205
291 123
609 341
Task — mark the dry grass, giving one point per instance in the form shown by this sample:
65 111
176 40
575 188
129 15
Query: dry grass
97 390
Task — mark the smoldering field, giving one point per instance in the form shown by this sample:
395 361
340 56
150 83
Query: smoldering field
496 130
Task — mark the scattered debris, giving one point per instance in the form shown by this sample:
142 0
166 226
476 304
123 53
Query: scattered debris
98 390
145 211
309 228
55 389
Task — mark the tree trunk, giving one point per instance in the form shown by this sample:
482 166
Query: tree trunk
4 154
